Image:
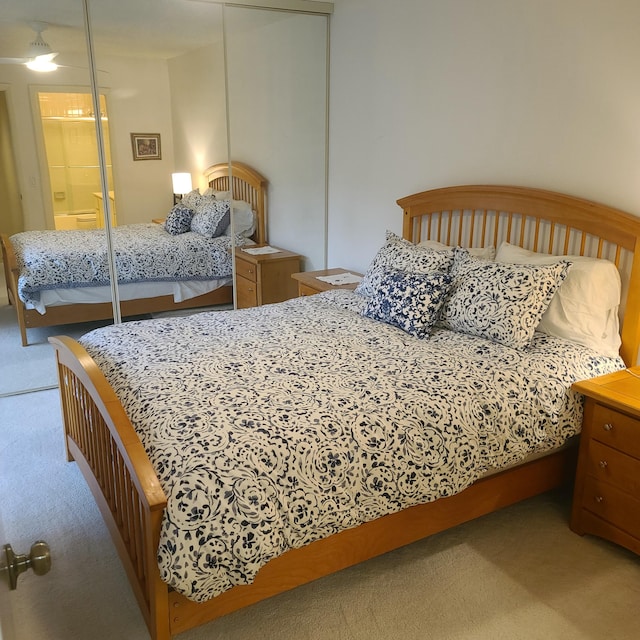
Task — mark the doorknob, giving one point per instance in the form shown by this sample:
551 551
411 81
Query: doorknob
39 559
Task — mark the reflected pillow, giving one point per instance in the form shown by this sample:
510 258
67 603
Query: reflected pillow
409 301
211 217
398 253
498 301
191 199
585 307
178 220
244 219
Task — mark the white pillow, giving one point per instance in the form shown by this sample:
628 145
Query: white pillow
244 219
487 253
585 307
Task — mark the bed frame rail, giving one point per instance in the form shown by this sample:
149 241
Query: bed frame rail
102 441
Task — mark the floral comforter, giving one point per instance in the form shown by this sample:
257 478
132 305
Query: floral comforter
272 427
144 253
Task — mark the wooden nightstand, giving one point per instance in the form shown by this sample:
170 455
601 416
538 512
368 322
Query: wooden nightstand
265 278
309 285
606 499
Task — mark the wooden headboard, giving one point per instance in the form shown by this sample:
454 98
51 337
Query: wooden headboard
246 184
538 220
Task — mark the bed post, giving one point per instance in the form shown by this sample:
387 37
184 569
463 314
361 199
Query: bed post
631 324
11 273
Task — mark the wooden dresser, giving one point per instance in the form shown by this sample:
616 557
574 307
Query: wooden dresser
265 278
606 499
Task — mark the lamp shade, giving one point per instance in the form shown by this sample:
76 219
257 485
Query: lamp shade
181 183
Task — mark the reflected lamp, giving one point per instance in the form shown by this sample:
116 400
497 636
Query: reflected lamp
181 185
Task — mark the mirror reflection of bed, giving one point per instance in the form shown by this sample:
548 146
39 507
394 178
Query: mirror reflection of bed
61 277
149 84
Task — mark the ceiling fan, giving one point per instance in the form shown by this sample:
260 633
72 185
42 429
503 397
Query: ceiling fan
39 56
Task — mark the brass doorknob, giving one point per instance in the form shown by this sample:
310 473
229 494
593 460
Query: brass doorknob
39 560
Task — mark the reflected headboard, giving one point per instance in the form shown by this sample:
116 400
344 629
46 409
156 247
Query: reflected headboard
246 184
538 220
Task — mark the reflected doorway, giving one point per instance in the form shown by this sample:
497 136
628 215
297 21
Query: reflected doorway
11 220
69 142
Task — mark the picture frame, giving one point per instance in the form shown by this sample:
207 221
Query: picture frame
146 146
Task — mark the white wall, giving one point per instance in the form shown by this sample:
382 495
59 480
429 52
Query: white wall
198 106
431 93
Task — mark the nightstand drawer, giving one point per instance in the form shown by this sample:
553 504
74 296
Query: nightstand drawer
246 293
612 505
616 430
246 270
610 465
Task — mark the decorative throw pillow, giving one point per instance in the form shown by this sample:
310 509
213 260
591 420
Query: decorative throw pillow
178 220
409 301
398 253
191 199
498 301
211 217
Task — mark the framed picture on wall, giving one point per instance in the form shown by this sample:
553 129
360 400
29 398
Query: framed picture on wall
146 146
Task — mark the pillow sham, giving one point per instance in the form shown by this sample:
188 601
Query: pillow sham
398 253
178 220
585 307
218 195
409 301
211 217
499 301
488 253
191 199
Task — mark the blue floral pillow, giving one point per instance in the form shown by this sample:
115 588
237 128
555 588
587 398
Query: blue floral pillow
398 253
499 301
178 220
211 217
409 301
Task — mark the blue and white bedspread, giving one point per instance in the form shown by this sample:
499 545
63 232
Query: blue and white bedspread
272 427
144 253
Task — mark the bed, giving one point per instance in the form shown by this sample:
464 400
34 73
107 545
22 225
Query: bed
65 304
129 478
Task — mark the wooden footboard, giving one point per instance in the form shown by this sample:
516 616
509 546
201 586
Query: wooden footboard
101 439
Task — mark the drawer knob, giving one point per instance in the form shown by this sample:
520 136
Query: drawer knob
599 499
603 464
607 426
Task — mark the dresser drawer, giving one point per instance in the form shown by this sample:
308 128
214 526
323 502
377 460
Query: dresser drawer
246 270
246 293
610 465
616 430
613 505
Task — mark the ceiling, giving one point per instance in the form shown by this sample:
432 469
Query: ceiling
141 28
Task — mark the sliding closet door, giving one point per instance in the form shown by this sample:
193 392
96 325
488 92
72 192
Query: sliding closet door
277 89
46 184
161 67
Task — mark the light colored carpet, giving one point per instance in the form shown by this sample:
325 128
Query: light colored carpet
518 573
33 366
